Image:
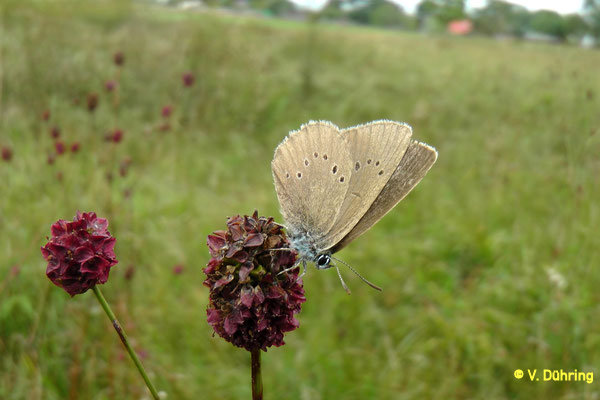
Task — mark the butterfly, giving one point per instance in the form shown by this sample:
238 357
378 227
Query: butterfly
334 184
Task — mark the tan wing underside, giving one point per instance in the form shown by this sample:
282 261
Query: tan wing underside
312 201
417 160
375 150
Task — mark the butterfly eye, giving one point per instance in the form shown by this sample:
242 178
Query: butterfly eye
323 260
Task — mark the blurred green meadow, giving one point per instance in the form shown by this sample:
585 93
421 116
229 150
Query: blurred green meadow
488 266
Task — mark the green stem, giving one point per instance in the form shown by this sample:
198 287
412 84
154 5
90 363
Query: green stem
125 341
257 387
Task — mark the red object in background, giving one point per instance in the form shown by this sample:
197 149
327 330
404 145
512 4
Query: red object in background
188 79
119 58
60 147
460 27
7 153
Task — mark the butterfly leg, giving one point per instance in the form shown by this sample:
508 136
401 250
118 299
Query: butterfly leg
303 269
282 225
292 267
283 249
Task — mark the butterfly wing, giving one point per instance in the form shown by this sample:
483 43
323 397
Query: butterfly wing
417 160
311 171
375 151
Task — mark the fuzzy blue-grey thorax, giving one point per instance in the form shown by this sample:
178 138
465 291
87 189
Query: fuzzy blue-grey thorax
308 251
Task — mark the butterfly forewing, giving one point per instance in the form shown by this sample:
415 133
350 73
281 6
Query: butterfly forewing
311 170
375 151
417 160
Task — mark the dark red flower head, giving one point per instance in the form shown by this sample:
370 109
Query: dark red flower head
110 85
80 253
178 269
251 305
60 147
188 79
55 132
75 146
116 136
119 58
166 111
92 102
7 153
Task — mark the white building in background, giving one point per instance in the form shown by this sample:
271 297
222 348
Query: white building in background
190 4
588 42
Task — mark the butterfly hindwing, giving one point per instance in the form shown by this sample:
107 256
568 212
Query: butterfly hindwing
416 162
375 151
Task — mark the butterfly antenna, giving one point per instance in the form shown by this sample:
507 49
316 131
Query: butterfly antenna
342 280
357 274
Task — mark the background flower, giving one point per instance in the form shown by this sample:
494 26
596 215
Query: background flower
188 79
80 253
6 153
119 58
92 101
110 85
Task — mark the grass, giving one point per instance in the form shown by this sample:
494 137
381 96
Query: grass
488 266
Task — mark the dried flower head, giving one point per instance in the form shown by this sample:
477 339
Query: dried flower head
130 272
80 253
46 115
124 166
252 303
188 79
7 153
119 58
92 102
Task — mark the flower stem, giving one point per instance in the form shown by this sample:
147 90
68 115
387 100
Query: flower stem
125 341
257 387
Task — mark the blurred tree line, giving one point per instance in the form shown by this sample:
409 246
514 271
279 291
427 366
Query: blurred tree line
496 18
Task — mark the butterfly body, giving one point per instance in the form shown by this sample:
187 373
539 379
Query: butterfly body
308 250
334 184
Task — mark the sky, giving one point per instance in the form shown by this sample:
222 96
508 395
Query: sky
560 6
